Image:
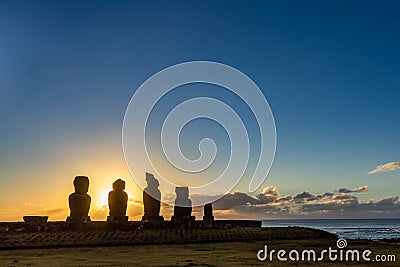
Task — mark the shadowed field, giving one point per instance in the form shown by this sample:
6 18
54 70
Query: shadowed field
171 247
211 254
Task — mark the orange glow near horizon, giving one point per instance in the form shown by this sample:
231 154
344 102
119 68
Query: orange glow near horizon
103 198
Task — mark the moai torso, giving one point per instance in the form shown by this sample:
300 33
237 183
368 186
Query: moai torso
151 200
208 212
79 204
151 204
183 205
79 201
118 199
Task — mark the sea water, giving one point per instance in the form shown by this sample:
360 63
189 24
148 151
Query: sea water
373 229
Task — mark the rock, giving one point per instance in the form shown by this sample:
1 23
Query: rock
35 219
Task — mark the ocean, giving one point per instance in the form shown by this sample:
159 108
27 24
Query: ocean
373 229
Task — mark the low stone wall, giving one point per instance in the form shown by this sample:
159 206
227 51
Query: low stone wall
9 227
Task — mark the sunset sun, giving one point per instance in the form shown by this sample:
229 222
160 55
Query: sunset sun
103 197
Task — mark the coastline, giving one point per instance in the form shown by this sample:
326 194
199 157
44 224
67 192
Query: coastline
370 229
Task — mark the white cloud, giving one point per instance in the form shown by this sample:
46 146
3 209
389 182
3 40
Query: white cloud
362 189
390 166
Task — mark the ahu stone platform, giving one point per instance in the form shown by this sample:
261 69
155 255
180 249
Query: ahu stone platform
97 234
27 227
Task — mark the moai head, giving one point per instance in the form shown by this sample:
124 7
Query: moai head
81 184
182 192
119 185
152 182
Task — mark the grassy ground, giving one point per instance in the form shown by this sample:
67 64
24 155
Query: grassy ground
211 254
171 247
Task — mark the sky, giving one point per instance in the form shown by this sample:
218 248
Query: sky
329 70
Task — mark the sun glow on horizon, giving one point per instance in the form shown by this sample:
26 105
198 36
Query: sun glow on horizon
103 197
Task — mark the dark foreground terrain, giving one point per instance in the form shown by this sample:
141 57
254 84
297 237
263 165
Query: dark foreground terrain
170 247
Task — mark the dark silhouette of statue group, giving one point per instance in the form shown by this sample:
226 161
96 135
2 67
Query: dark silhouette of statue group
79 203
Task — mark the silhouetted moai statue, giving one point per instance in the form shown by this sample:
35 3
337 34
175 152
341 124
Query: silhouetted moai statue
208 212
118 202
79 201
151 200
183 205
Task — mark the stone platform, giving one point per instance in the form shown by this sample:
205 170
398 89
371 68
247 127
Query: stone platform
18 227
157 236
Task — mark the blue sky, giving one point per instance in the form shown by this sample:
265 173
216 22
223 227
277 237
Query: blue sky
329 70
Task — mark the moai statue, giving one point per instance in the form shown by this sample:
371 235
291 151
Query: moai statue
208 213
79 201
151 200
183 205
118 203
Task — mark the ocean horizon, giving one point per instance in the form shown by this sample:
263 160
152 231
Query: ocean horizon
371 229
